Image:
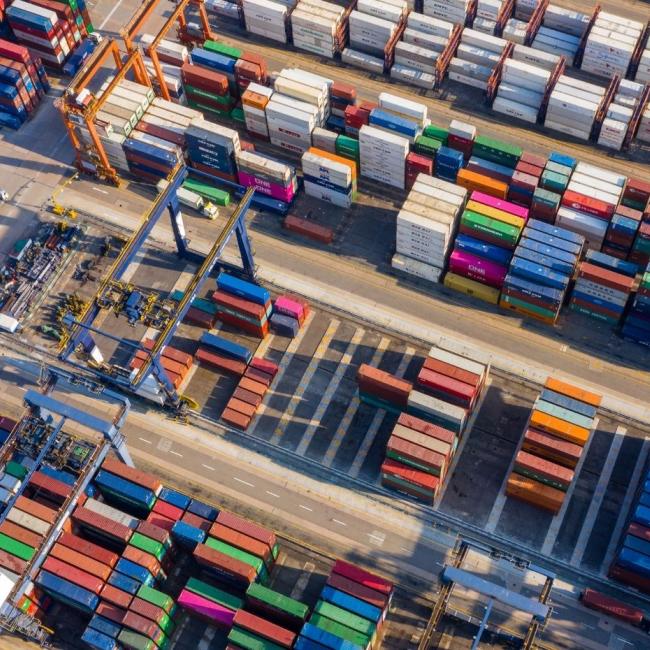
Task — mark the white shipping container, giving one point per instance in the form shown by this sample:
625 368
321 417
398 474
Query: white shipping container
517 110
112 513
412 76
429 25
28 521
416 268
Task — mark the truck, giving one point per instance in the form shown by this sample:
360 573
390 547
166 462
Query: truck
192 200
81 53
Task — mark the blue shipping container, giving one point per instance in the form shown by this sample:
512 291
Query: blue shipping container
175 498
103 625
569 259
642 516
553 264
562 159
550 240
213 60
226 347
130 491
96 639
284 325
351 604
135 571
186 535
569 403
242 288
204 510
58 474
555 231
534 290
74 595
634 560
123 582
538 273
488 165
327 639
393 123
612 263
303 643
482 249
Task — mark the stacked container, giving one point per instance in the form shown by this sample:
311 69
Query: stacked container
561 31
622 231
329 177
267 176
476 58
350 612
168 51
276 607
317 26
636 326
383 390
603 287
373 24
383 156
213 149
425 227
254 101
521 90
267 18
619 115
558 428
207 88
453 11
540 271
176 363
168 120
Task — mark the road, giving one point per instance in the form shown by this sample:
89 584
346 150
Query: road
301 500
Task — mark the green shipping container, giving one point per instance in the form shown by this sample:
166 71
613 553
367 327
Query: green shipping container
278 601
481 223
157 598
207 191
148 545
564 414
208 109
436 133
14 547
427 146
222 48
220 99
254 561
525 471
593 314
199 303
16 470
237 114
130 639
214 594
412 463
547 198
636 205
340 615
342 631
552 181
496 151
395 483
540 311
248 641
377 402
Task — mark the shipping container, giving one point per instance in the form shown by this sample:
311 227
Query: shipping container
209 610
347 618
89 549
268 602
534 492
574 392
66 591
246 527
374 598
559 428
242 542
210 592
542 470
552 448
266 629
238 572
14 547
74 575
363 577
76 559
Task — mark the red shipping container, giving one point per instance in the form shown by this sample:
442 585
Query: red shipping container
449 370
259 376
343 90
84 517
167 510
545 445
527 168
588 204
611 606
417 454
264 628
148 481
237 405
116 596
142 625
236 419
246 307
14 52
56 490
246 396
214 172
173 367
247 527
162 133
196 521
147 610
83 562
363 577
630 213
629 577
220 362
21 534
12 563
544 468
384 384
309 229
242 542
451 390
533 159
433 430
252 386
88 548
199 318
171 353
637 190
221 562
74 575
154 532
257 59
110 611
160 520
366 594
205 79
605 277
264 365
639 531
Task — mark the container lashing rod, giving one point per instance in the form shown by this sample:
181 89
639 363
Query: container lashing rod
535 22
580 52
504 15
637 115
558 71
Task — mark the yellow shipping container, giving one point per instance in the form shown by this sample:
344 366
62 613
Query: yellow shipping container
471 288
495 213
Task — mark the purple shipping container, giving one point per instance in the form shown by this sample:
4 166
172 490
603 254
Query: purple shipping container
274 190
477 268
500 204
207 609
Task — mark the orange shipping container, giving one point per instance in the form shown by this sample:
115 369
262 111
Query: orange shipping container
534 492
559 428
81 561
36 509
242 542
250 98
580 394
339 159
145 560
474 181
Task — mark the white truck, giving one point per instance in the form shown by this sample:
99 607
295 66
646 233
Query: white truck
193 200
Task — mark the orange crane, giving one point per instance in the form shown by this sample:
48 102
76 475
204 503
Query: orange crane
83 114
138 19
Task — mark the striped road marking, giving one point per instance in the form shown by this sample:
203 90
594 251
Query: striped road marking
377 420
305 380
627 503
332 387
282 368
265 344
344 425
556 522
301 584
599 495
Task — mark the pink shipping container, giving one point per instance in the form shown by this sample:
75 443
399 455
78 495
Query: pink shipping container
363 577
477 268
274 190
500 204
206 609
288 307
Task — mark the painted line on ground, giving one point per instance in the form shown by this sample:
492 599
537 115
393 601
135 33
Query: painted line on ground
241 480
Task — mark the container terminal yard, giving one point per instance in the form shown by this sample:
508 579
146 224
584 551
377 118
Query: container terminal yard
398 399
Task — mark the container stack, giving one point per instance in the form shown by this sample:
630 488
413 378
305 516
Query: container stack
572 107
603 287
317 26
373 24
540 271
249 630
643 71
350 614
476 58
489 231
202 312
168 51
267 176
521 90
176 363
558 429
636 326
254 101
383 156
383 390
172 78
289 315
425 227
267 18
207 88
249 313
610 45
41 30
452 11
524 186
590 202
20 87
274 606
151 159
329 177
168 120
561 31
460 137
622 231
619 114
212 149
208 602
487 12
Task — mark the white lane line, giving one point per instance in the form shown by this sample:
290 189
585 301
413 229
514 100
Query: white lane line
171 451
378 418
208 467
377 538
96 189
332 387
301 584
403 548
598 496
287 357
627 502
241 480
109 15
306 508
339 522
273 494
556 522
344 425
144 440
305 380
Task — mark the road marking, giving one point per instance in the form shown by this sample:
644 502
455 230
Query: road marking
207 637
306 508
556 522
377 538
598 496
403 548
273 494
96 189
264 345
109 15
144 440
294 402
171 451
241 480
332 387
378 418
339 522
301 584
208 467
282 368
353 407
627 502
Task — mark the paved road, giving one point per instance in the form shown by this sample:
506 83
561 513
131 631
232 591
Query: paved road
326 511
